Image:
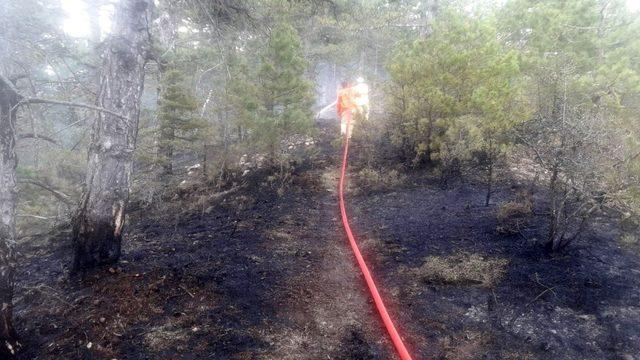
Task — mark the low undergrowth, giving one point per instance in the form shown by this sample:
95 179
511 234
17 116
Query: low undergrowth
462 269
371 180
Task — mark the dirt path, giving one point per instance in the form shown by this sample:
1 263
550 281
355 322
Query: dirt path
326 312
326 302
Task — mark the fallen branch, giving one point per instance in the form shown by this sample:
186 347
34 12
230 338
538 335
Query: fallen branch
20 237
187 291
221 194
34 216
546 290
541 294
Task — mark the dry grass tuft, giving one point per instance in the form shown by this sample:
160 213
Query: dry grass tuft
513 216
462 269
369 179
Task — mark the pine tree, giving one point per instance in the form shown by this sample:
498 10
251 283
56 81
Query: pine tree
241 95
284 94
454 96
176 115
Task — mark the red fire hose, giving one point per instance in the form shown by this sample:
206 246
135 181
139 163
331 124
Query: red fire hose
373 289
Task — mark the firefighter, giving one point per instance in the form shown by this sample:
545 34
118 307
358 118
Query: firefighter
346 107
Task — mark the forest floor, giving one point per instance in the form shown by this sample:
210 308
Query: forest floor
255 275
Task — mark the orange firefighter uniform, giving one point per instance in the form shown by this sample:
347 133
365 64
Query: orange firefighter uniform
346 107
353 100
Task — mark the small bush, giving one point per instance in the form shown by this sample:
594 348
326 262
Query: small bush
369 179
514 215
462 269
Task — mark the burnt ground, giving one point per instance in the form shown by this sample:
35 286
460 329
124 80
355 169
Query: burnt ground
254 275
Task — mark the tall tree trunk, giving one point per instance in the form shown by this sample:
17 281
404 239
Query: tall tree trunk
8 162
100 220
553 209
490 160
9 97
489 183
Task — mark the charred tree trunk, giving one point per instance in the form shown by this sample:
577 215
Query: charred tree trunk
489 183
8 193
490 163
553 209
100 220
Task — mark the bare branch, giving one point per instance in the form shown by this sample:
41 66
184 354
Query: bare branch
56 193
9 84
37 136
68 103
25 100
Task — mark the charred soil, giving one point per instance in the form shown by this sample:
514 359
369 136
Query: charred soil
252 274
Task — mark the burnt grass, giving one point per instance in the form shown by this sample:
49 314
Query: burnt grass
257 275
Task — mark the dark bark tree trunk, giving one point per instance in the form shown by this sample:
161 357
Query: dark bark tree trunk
8 193
490 164
553 209
428 139
100 220
489 183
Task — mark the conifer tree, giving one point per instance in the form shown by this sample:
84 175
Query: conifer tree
453 96
177 118
241 95
284 93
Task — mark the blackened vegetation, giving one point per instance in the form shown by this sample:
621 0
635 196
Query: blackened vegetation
252 274
576 305
8 193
